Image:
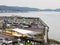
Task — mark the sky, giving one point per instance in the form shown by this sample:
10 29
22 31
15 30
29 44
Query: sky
32 3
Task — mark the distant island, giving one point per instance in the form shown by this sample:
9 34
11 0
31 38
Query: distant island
9 9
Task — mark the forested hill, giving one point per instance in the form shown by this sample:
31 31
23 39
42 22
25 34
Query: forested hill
16 9
4 9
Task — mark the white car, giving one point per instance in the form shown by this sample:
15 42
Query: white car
6 41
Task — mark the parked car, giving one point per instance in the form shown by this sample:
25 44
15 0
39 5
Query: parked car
6 41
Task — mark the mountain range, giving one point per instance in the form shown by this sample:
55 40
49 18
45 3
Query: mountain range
4 9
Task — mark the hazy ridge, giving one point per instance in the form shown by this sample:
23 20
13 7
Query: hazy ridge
4 9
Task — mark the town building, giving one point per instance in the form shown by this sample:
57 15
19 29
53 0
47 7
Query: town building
27 23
